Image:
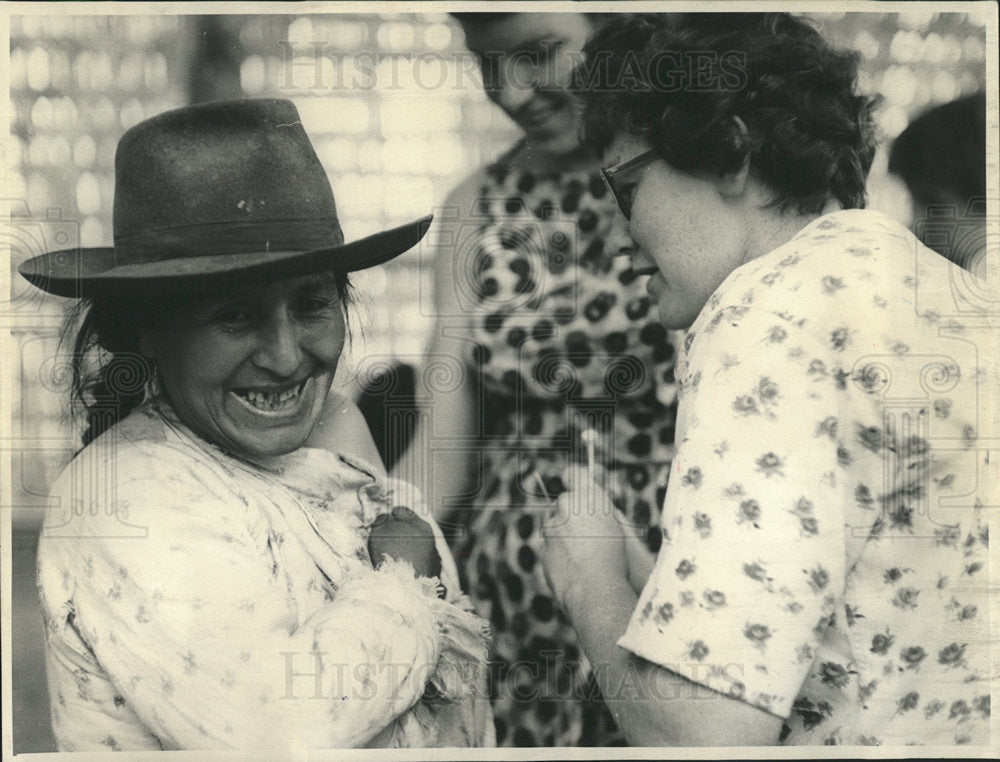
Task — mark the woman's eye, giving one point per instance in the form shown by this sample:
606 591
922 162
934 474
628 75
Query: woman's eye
234 316
547 49
489 67
315 305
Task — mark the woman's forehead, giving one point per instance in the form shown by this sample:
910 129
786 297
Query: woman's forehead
622 148
263 292
517 31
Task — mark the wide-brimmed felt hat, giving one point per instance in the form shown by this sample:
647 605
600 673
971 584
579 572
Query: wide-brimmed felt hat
217 191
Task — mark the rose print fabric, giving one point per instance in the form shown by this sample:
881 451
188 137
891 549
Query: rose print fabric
195 601
825 529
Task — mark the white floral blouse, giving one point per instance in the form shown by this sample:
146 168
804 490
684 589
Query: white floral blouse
195 601
826 545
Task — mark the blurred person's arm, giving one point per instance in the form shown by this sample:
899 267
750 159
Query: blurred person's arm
436 460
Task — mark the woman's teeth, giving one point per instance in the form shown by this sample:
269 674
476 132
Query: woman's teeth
271 400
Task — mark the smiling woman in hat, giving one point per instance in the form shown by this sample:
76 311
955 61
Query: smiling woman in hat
225 565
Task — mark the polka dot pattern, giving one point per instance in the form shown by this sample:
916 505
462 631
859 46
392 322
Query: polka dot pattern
565 340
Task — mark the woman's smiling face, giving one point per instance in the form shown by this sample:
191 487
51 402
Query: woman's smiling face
250 370
527 60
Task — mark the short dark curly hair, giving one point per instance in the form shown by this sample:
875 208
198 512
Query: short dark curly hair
680 81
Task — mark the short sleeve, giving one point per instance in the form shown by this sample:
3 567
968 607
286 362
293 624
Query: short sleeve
752 564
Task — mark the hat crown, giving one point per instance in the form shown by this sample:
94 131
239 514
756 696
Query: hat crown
223 190
219 164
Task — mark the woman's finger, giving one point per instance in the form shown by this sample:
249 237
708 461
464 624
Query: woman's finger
555 515
576 476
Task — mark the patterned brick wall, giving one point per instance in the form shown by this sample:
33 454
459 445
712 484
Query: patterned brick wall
396 114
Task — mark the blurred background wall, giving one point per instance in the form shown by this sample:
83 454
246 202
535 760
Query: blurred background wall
397 116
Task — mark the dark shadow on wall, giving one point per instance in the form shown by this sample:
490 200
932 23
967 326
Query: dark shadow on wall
215 59
389 406
31 722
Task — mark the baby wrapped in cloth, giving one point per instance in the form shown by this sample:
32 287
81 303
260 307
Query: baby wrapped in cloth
216 603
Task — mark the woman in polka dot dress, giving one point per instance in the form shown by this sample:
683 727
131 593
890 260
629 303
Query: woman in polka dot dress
552 335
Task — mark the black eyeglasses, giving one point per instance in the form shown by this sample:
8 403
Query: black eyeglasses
608 175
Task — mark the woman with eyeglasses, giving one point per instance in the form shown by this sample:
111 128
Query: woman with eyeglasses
823 576
557 337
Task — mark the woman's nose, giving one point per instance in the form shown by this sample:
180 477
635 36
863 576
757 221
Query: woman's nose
618 241
514 85
280 347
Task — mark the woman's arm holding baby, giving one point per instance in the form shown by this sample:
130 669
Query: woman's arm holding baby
342 429
216 654
401 534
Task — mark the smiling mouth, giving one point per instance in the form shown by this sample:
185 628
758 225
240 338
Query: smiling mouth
271 401
537 116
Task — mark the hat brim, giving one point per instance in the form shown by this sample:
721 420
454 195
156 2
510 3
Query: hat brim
85 272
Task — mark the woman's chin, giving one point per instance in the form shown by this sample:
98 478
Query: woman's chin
672 318
557 143
558 136
272 444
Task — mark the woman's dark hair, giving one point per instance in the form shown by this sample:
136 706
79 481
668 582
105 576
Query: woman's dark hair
109 374
685 82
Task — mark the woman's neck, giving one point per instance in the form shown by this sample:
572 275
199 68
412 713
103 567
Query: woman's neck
776 228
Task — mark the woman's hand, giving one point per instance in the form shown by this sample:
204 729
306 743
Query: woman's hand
584 540
640 561
404 536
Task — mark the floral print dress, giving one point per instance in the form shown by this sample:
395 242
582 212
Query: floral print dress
197 601
564 339
826 538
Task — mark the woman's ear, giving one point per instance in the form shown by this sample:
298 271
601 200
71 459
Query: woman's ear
731 185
